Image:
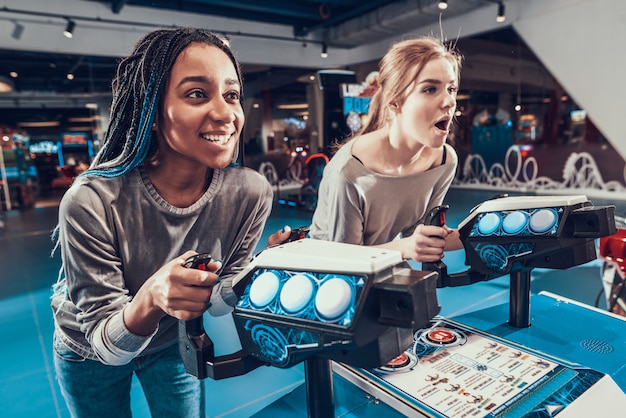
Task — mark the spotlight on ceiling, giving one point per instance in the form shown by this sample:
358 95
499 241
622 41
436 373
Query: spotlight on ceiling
501 15
324 53
69 28
443 4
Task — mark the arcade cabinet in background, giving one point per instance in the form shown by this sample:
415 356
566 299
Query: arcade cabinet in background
18 173
74 148
326 115
45 158
492 131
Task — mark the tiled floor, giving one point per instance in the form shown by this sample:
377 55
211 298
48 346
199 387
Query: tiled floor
27 270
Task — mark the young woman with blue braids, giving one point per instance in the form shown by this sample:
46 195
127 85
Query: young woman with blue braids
163 187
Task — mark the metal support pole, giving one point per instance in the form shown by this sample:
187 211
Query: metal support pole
519 302
320 398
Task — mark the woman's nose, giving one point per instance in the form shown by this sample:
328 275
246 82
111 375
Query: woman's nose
221 111
449 100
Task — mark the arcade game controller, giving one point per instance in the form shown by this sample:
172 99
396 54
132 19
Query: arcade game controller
513 235
316 301
371 318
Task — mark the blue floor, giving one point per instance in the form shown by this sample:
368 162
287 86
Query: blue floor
27 270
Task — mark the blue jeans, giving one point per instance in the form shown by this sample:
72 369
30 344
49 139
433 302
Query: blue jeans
92 389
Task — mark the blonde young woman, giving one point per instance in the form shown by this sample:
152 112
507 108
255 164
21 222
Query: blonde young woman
380 185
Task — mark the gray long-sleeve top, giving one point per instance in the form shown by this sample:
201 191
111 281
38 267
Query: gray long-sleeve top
358 206
116 232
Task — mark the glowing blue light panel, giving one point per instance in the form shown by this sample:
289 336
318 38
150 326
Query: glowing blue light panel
320 297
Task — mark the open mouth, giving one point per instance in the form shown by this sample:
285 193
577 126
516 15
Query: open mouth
442 124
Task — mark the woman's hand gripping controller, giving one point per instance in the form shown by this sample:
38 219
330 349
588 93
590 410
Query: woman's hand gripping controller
437 217
195 326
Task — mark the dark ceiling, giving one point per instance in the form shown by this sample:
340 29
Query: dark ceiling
303 15
44 74
47 72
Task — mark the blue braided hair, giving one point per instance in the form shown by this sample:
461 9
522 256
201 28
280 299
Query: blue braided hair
137 88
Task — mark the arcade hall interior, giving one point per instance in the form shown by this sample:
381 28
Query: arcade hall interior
538 117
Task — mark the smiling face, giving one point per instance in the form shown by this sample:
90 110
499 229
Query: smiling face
201 117
429 103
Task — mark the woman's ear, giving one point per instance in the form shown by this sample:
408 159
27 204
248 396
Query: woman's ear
393 106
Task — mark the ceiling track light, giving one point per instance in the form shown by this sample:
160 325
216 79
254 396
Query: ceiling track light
18 29
324 53
501 15
443 4
69 28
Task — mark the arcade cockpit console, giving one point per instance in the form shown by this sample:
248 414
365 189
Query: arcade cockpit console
513 235
368 312
364 309
316 301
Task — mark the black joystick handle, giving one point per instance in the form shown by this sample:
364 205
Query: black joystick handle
198 261
195 327
437 217
197 349
298 234
195 345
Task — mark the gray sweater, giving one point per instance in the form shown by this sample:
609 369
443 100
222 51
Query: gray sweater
358 206
116 232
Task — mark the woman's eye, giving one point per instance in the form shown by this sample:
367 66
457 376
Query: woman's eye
197 94
233 95
430 90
